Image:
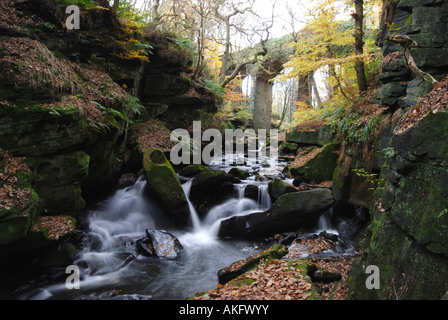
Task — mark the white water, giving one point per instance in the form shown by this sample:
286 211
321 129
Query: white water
205 232
109 258
324 224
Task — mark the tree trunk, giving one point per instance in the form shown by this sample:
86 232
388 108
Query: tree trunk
263 103
359 45
115 7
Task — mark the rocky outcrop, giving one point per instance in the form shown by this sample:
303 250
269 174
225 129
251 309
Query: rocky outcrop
70 104
407 237
425 23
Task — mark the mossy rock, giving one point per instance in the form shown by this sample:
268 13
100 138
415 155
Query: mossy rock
319 137
240 267
302 206
289 147
206 183
16 222
33 131
193 170
407 271
319 168
278 187
57 181
239 173
162 182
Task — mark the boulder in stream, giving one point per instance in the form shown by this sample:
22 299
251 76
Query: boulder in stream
289 212
162 182
160 243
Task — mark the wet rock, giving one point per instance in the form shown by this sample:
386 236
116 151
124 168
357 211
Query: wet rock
278 187
239 173
206 183
144 246
290 211
193 170
164 244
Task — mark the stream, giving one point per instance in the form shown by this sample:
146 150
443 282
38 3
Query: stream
111 266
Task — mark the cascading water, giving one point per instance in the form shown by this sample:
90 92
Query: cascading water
264 199
193 214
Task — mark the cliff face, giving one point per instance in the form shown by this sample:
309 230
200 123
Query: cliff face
408 235
69 102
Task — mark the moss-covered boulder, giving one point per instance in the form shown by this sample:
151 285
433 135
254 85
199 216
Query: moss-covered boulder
239 173
289 147
206 183
278 187
193 170
319 167
162 182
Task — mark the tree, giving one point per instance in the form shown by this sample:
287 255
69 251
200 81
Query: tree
358 15
324 43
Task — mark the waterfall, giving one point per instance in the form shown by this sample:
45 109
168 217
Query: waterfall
324 224
193 213
114 229
264 199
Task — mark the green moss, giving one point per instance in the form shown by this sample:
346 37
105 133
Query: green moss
319 168
161 179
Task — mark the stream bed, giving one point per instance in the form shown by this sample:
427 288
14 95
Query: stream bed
112 267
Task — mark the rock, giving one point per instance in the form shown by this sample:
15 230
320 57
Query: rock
319 168
289 147
144 246
239 173
162 182
415 89
58 255
394 69
322 275
289 212
238 268
192 170
391 95
302 205
206 183
407 236
57 179
278 187
319 137
164 244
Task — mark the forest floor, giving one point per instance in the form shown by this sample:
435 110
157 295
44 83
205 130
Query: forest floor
288 278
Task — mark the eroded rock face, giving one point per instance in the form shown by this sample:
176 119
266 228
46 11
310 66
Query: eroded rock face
408 238
425 23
